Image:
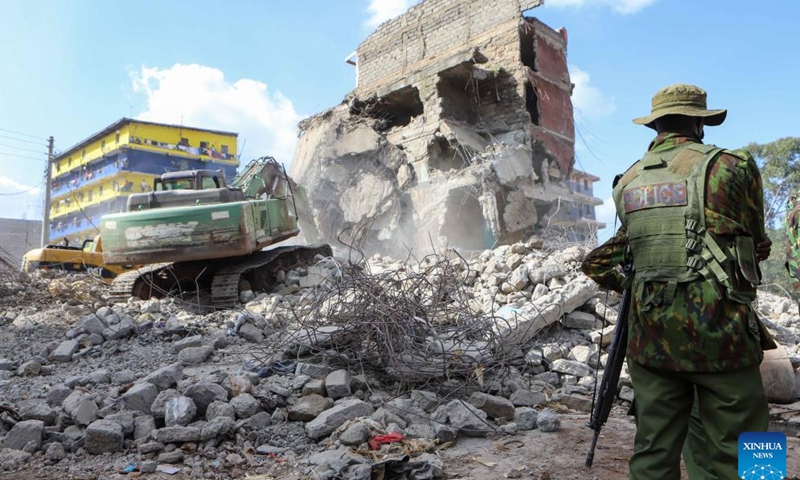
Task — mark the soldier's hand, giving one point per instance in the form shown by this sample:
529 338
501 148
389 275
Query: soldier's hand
763 249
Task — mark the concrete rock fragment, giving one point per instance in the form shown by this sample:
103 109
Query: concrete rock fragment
177 434
179 411
778 376
309 407
64 352
337 384
467 418
6 365
582 321
193 341
80 407
547 421
195 355
204 393
494 406
314 386
166 377
159 406
355 435
217 427
139 397
219 408
251 333
103 436
245 405
125 419
571 367
143 427
526 398
333 418
29 369
37 409
55 452
24 432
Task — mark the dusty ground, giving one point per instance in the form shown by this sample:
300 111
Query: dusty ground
536 455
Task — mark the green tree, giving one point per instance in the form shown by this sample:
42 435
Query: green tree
779 162
775 278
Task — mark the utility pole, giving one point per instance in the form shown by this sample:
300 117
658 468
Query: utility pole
47 175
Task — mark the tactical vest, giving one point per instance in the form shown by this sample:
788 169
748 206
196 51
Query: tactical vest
661 201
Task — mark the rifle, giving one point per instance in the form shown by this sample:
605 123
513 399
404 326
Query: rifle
608 387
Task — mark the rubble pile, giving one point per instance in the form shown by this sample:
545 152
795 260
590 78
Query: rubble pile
343 371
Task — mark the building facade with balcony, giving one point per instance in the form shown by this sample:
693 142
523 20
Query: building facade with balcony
96 176
574 216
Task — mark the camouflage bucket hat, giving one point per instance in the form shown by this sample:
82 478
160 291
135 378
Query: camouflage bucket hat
681 99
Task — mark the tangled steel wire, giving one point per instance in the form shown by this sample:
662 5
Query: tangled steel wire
411 325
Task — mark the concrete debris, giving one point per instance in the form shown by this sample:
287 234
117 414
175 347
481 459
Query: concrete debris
488 361
467 141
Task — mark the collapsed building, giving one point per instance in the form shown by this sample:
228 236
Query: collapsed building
459 132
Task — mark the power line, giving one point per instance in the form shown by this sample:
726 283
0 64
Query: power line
23 134
21 140
22 156
23 149
24 191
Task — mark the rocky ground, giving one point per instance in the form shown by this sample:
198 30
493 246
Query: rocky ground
441 367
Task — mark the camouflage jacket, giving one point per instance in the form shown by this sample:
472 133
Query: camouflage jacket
792 225
697 332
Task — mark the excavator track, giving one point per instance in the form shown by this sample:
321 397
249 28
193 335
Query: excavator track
259 269
223 277
125 285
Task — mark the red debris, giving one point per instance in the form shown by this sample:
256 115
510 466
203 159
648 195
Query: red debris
378 440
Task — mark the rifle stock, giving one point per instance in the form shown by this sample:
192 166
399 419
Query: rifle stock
613 368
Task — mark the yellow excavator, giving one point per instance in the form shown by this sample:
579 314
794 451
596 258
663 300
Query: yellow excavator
87 258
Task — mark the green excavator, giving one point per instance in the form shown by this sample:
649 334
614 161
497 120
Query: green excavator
195 233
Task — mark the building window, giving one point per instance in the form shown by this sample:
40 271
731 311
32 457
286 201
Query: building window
184 142
69 162
100 190
83 155
116 139
203 144
90 195
586 184
224 149
103 145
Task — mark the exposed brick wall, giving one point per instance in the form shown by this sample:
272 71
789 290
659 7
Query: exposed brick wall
429 30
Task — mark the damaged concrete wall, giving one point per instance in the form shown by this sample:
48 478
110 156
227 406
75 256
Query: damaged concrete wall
459 132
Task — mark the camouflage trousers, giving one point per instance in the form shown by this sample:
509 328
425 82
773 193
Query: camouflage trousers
794 272
727 403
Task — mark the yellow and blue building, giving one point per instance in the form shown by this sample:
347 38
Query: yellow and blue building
95 176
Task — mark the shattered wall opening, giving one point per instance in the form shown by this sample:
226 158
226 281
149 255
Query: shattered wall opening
464 224
463 90
532 103
444 156
527 47
470 102
395 109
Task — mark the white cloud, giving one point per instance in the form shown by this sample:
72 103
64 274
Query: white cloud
382 10
23 202
624 7
589 102
201 96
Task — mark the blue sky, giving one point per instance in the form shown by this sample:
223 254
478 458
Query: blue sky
257 67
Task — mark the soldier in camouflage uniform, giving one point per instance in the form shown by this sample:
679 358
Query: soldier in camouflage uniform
692 216
793 241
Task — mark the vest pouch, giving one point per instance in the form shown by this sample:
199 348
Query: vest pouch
748 262
745 273
759 330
